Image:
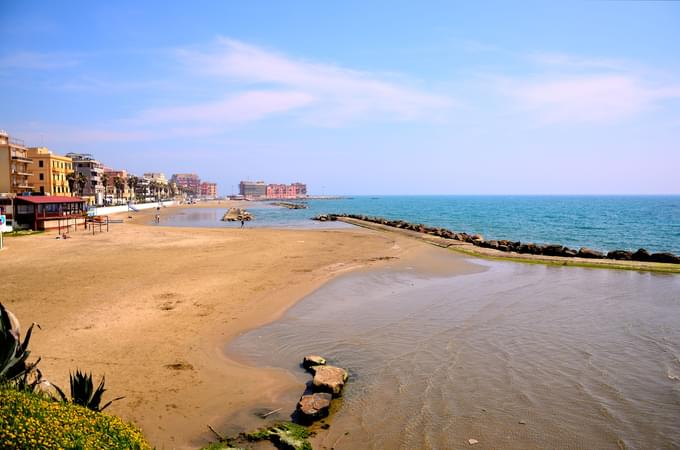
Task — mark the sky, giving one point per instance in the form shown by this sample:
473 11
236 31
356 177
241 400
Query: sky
355 98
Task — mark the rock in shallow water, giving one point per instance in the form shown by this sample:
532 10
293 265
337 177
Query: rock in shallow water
329 379
315 406
310 361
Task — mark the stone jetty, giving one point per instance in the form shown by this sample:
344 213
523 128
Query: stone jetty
236 215
290 205
512 246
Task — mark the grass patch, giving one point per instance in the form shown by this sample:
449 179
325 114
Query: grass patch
30 420
19 233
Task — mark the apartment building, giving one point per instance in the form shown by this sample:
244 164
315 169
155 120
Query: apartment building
50 172
295 190
188 181
89 173
252 189
208 189
117 187
15 165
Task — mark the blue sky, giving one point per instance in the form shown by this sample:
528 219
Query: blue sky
386 98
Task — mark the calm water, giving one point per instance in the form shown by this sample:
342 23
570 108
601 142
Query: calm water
600 222
583 358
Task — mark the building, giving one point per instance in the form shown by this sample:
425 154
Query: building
117 187
295 190
252 189
208 189
50 172
188 182
88 183
15 165
43 212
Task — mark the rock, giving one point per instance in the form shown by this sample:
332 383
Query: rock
641 255
553 250
585 252
473 441
522 422
664 258
329 379
315 406
310 361
477 238
569 252
492 244
620 255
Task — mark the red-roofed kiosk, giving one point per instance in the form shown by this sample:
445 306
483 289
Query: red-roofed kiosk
43 212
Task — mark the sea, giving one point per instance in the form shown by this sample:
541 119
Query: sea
599 222
510 355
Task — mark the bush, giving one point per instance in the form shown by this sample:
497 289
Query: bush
30 420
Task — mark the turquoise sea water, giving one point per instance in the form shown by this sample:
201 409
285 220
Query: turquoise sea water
599 222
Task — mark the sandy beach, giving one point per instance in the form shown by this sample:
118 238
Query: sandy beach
152 307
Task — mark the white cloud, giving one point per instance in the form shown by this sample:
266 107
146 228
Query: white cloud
243 107
340 95
570 88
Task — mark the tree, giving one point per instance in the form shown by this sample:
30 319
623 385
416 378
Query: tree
71 179
119 185
105 182
133 181
81 181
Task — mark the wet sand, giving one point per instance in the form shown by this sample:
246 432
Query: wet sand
516 357
152 307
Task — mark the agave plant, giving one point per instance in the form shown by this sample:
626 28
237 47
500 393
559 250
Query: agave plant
13 352
83 392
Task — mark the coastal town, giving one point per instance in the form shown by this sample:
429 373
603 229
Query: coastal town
42 190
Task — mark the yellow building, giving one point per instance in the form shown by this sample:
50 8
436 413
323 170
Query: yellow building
49 172
14 165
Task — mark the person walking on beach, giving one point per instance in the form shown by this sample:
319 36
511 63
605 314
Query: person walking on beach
158 218
242 223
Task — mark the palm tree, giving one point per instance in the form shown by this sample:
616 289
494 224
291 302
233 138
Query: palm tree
81 181
71 179
105 182
132 184
119 184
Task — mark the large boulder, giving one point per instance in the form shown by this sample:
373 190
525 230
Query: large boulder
620 255
314 406
553 250
585 252
329 379
309 361
664 258
641 255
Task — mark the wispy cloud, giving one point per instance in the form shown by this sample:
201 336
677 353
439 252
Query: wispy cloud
568 88
591 98
37 61
243 107
339 94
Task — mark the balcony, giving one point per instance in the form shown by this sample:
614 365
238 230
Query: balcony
21 158
21 172
22 185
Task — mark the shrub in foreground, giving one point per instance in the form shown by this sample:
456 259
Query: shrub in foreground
29 420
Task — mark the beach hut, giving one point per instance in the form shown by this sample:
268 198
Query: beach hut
44 212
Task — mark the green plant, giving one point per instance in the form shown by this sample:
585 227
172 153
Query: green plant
83 392
30 420
13 352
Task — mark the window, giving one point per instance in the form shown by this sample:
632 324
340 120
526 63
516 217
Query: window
42 177
40 164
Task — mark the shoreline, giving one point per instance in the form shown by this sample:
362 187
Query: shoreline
469 249
154 307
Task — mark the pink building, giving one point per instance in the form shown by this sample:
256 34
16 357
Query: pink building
295 190
208 189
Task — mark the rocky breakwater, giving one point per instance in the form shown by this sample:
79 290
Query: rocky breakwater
236 215
503 245
290 205
327 384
